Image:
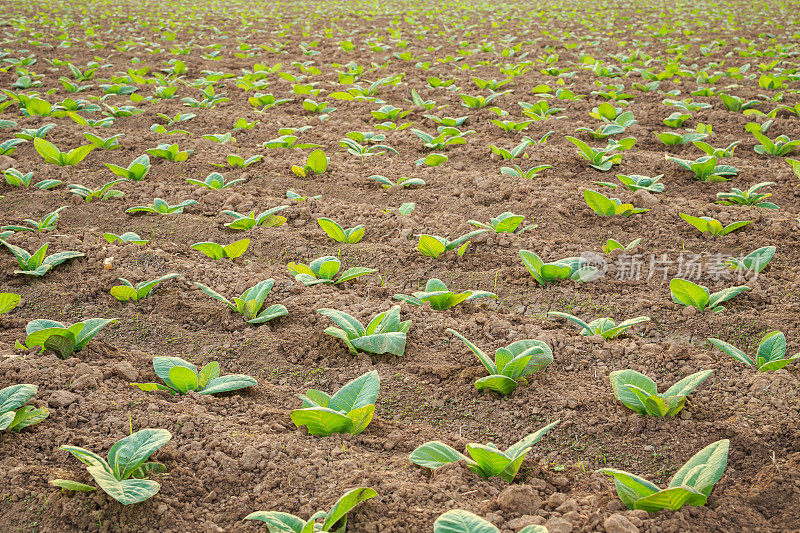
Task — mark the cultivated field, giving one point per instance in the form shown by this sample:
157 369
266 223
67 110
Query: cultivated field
598 160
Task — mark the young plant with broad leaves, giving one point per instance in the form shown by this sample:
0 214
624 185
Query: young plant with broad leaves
124 475
506 222
340 234
690 294
129 292
333 521
635 182
691 484
750 197
267 218
14 414
323 270
434 246
46 223
137 170
756 261
349 410
316 163
640 393
460 521
517 172
39 263
440 297
403 181
770 355
486 460
214 181
249 304
128 237
712 226
511 364
219 251
170 152
603 326
781 146
53 156
63 340
706 168
15 178
181 376
607 207
613 244
160 207
104 192
574 268
385 333
604 158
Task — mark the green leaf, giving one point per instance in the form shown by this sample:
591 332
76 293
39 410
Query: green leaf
435 454
704 469
487 362
128 453
236 249
620 382
332 229
321 421
48 151
357 393
498 383
278 522
128 491
66 484
345 504
430 246
8 301
391 342
630 487
459 521
15 396
183 379
672 498
317 161
685 386
228 383
733 351
211 249
687 293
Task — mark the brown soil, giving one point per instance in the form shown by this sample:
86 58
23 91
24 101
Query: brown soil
240 452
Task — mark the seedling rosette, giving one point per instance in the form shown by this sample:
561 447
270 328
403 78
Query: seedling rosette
128 291
460 521
267 218
123 475
604 326
218 251
349 410
687 293
434 246
385 333
181 376
64 341
440 297
713 226
334 521
606 207
39 263
755 261
506 222
770 355
640 393
340 234
250 302
15 417
574 268
323 270
485 459
691 484
511 364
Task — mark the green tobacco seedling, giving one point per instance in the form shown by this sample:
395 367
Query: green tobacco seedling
126 238
691 484
404 181
334 521
712 225
340 234
635 182
385 333
8 302
607 207
250 302
180 377
434 246
440 297
38 263
671 139
604 326
15 178
104 192
236 161
605 158
486 460
755 261
47 223
350 410
613 244
111 143
214 181
267 218
128 291
218 251
517 172
170 152
770 356
781 146
316 163
511 364
15 417
323 270
706 168
574 268
53 156
136 171
161 207
63 340
123 476
506 222
460 521
640 393
690 294
748 197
